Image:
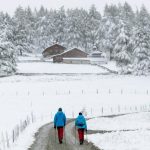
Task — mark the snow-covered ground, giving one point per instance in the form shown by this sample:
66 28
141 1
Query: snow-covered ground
135 121
111 65
30 57
41 95
129 132
47 67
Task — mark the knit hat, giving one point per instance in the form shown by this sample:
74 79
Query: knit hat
80 113
60 109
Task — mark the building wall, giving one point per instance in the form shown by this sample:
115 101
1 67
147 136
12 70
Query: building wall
72 61
57 59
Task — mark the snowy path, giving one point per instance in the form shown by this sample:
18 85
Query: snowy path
45 140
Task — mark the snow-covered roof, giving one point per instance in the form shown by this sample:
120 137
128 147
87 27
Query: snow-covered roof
69 51
96 54
53 46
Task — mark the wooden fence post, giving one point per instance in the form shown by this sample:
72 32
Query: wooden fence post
3 141
102 111
32 117
136 109
97 91
130 109
111 110
13 136
125 109
82 91
135 92
91 112
121 91
7 140
28 93
119 108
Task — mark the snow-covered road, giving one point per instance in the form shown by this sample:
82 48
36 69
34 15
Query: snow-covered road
46 139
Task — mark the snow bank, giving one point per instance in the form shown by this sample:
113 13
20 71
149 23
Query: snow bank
135 136
111 65
127 122
133 140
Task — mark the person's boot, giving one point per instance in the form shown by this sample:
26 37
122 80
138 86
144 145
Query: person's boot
60 141
81 142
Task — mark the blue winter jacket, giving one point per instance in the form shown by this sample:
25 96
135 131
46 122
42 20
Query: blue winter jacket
59 119
80 122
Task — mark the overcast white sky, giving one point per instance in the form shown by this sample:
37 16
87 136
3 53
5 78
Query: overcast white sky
10 5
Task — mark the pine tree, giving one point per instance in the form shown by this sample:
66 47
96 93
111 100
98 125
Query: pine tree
71 28
19 32
121 49
140 42
94 22
110 22
7 50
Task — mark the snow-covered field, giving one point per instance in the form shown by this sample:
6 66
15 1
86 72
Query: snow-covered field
41 95
47 67
129 132
111 65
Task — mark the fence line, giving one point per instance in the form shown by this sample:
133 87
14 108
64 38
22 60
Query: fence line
7 140
83 92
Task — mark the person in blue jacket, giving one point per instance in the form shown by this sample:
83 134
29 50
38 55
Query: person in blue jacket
81 125
59 123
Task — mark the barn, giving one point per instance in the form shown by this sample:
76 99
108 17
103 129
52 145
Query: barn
74 55
53 50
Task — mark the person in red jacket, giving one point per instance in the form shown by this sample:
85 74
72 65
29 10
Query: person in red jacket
59 123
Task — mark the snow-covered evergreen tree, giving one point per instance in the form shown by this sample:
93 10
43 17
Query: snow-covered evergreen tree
141 43
30 29
7 50
121 49
94 32
110 27
20 34
71 28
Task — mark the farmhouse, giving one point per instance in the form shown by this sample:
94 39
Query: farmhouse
74 55
53 50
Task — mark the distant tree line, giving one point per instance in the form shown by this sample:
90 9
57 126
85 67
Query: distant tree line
120 30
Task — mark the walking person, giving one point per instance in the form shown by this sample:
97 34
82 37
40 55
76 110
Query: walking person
59 123
81 125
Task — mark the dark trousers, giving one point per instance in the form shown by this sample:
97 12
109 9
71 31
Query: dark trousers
81 135
60 133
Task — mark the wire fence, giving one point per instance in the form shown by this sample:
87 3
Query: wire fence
7 139
76 92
